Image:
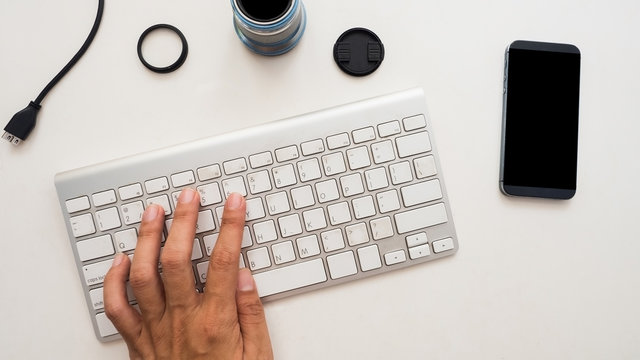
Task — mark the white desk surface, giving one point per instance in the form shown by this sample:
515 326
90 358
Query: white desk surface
534 279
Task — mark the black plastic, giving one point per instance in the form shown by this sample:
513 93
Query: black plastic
175 65
358 52
23 121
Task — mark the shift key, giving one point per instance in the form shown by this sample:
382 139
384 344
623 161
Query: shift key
421 218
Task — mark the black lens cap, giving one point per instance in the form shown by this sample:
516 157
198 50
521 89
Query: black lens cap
358 52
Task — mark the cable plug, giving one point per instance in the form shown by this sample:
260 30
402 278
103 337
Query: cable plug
21 124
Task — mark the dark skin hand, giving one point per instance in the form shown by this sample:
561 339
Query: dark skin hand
175 322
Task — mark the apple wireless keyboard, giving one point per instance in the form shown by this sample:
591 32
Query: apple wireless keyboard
332 196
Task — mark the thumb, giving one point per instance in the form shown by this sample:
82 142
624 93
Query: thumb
253 324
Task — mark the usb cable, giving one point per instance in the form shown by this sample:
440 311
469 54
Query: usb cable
21 124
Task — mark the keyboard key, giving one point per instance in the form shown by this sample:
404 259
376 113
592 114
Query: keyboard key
130 191
209 194
232 185
156 185
162 200
126 239
105 326
290 225
327 191
332 240
132 212
416 239
259 182
413 144
108 219
82 225
308 246
442 245
209 172
209 242
287 153
414 122
309 170
302 197
357 234
421 218
265 231
363 135
339 213
205 222
419 251
381 228
351 185
388 201
338 141
312 147
358 158
77 204
196 252
284 176
277 203
95 248
234 166
183 178
202 269
389 128
382 152
283 252
363 207
246 238
104 198
261 159
421 193
95 273
425 166
341 265
376 179
395 257
254 209
369 258
400 173
314 219
97 298
258 258
333 164
290 277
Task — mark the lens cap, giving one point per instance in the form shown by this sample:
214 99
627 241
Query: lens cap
358 52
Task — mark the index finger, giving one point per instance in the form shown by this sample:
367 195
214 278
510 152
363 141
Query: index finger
222 276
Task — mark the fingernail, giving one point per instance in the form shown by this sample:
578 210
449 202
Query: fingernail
187 195
118 259
234 201
150 213
245 280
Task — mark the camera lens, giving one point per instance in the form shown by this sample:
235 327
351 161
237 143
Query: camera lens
269 27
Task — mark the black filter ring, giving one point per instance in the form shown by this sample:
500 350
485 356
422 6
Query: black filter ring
175 65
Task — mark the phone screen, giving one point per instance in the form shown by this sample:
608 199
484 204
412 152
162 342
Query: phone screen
540 134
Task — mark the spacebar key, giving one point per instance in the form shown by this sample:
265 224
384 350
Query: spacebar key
421 218
290 277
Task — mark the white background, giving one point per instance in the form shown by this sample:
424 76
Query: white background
534 279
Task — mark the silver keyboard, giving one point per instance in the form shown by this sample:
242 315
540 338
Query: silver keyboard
332 196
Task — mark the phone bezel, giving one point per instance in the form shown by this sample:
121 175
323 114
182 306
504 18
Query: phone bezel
528 191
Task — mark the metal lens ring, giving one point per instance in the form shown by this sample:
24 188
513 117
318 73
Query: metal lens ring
269 35
177 63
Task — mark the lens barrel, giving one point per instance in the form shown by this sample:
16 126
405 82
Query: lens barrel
269 27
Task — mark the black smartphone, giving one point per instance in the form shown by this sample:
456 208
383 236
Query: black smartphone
539 153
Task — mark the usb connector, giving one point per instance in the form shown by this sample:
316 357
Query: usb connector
21 124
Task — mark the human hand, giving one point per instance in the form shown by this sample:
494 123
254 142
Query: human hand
175 322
